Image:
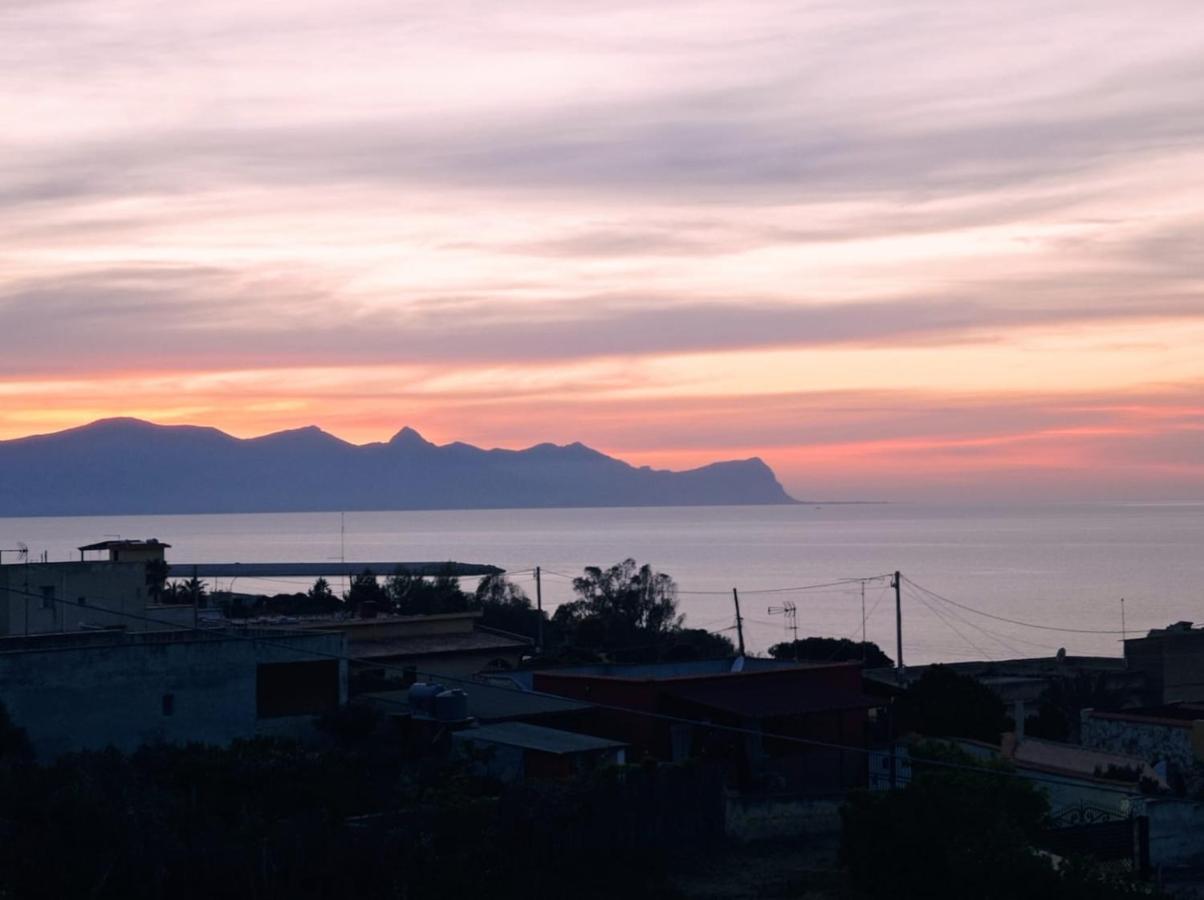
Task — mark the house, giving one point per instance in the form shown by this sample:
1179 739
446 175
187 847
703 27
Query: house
1172 661
772 725
94 689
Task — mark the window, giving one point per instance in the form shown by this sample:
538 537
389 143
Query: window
169 704
48 596
82 601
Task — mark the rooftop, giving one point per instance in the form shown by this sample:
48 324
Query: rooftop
431 644
694 668
149 543
536 737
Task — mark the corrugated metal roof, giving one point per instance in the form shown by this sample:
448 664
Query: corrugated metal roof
536 737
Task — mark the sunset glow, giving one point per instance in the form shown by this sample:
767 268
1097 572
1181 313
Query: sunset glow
895 249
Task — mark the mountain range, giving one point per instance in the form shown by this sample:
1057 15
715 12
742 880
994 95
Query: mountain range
128 466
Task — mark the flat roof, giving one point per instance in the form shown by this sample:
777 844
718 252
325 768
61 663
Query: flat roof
125 544
536 737
430 644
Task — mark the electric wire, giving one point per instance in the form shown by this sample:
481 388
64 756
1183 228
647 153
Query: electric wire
988 615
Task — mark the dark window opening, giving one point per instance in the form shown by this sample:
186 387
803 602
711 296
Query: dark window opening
296 689
82 601
169 704
48 596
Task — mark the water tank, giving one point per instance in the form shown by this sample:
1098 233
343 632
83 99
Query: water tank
422 697
451 706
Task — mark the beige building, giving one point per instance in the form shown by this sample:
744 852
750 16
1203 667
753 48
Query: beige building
111 592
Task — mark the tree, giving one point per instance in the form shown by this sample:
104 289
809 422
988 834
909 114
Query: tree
414 595
366 589
321 592
960 829
943 703
698 643
825 649
498 590
192 591
620 607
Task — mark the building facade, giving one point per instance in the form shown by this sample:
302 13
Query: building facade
91 690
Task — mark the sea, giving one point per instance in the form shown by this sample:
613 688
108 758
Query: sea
978 582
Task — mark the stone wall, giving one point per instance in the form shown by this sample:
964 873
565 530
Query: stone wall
1151 741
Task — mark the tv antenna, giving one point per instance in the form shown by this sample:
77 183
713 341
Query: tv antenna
790 611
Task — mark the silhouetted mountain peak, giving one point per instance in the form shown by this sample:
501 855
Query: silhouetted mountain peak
308 436
409 438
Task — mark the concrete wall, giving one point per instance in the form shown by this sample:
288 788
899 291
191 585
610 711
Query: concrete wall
1151 741
93 690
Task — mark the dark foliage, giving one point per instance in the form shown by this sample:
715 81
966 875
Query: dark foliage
365 589
410 595
622 607
1058 709
958 833
272 819
825 649
943 703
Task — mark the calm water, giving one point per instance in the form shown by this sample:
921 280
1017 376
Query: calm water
1054 565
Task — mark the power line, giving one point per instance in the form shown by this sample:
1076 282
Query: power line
995 636
941 618
988 615
990 635
786 590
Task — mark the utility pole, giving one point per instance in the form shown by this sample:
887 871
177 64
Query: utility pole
739 621
897 584
539 609
863 621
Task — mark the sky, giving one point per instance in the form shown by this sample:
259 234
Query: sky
898 249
